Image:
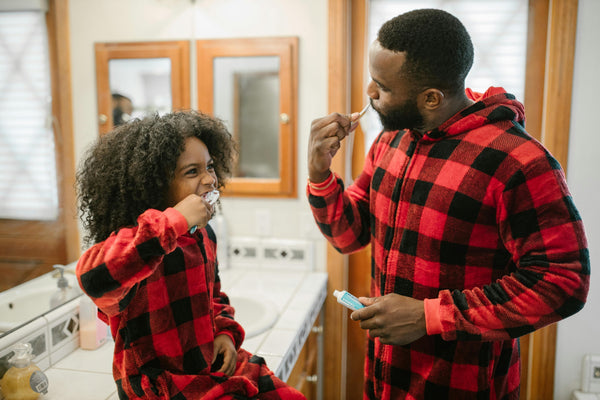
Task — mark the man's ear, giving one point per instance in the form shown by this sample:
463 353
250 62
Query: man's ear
431 99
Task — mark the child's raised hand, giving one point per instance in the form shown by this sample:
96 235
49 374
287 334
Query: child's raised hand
196 210
225 347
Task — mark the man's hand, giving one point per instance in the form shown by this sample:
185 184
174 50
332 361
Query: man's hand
326 133
395 319
223 345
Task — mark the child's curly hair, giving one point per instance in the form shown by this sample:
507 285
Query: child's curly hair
129 170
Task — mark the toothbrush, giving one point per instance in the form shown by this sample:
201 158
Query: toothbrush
211 197
354 124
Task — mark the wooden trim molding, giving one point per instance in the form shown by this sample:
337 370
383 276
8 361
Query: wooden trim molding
359 263
558 85
58 27
539 362
336 317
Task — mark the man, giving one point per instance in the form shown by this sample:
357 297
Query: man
474 237
122 109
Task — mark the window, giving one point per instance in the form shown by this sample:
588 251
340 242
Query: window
498 29
28 183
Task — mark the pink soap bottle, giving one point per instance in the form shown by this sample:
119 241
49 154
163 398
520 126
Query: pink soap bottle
92 330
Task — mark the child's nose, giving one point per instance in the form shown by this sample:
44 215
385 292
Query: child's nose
209 180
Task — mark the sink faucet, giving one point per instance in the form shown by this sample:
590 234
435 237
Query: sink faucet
65 291
61 270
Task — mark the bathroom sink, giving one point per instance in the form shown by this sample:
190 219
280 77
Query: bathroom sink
24 305
256 316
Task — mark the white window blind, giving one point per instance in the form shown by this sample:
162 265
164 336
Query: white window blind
28 182
498 30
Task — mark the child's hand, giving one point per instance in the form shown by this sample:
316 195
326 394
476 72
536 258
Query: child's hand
196 210
223 345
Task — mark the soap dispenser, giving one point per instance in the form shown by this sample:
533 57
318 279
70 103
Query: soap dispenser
23 380
65 291
92 330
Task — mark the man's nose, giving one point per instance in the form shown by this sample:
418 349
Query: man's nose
372 90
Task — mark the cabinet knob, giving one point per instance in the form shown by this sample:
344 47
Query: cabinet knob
317 329
284 118
312 378
102 119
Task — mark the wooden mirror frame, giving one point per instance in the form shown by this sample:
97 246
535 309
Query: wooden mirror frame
177 51
286 48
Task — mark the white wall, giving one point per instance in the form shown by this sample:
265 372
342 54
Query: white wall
580 334
144 20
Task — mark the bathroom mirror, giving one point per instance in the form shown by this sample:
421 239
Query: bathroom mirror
251 85
137 79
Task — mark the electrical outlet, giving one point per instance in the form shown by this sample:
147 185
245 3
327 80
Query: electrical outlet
590 374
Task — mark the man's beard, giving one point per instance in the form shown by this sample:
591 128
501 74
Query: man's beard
407 116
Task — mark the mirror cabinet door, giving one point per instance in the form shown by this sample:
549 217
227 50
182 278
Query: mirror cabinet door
251 85
137 79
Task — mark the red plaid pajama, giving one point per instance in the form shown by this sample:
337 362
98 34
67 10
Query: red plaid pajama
158 287
474 217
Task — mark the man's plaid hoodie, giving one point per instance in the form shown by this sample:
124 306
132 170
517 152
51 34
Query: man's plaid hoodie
476 219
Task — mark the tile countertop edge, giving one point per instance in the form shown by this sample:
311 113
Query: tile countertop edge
284 368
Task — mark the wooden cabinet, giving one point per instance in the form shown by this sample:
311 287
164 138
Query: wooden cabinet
306 375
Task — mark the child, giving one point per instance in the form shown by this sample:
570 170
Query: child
157 285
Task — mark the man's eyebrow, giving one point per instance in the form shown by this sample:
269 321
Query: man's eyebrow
378 83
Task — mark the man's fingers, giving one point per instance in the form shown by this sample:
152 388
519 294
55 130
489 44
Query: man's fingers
332 125
364 313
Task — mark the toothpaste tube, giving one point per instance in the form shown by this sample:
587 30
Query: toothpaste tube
211 197
348 300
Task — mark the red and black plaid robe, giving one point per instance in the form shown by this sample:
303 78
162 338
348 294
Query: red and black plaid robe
159 289
474 217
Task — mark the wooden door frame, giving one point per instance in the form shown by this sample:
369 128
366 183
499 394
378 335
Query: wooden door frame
549 76
60 69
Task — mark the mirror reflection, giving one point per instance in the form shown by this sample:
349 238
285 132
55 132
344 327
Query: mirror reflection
139 87
246 97
38 296
134 79
251 84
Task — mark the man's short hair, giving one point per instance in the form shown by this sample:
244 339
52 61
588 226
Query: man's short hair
439 52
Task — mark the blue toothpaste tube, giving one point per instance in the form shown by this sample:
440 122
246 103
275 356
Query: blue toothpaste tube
348 300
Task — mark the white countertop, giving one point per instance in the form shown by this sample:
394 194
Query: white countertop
298 295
